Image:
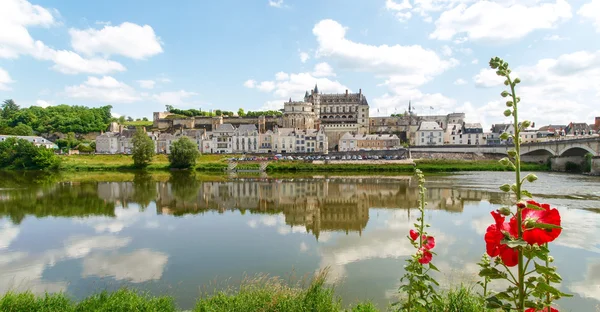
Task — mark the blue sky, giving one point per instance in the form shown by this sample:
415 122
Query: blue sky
139 56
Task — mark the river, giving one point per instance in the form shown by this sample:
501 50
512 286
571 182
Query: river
181 235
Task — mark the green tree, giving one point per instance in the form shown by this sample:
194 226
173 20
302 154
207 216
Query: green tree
9 109
145 119
93 145
183 153
22 154
143 148
218 112
241 112
20 129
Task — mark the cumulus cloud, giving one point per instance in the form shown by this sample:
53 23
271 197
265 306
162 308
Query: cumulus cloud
5 80
499 21
43 103
8 233
323 70
460 82
147 84
487 78
173 97
304 57
250 83
591 11
128 39
105 89
276 3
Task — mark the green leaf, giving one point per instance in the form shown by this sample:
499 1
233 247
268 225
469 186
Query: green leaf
514 243
493 303
544 226
534 207
526 193
492 273
433 267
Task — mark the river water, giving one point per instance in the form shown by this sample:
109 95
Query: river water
182 235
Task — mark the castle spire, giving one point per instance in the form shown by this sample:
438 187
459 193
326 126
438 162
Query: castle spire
409 108
316 88
290 100
306 94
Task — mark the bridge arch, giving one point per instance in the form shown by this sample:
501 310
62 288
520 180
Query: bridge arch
539 151
577 150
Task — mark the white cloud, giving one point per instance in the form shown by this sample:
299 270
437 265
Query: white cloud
282 76
273 105
69 62
147 84
105 89
475 61
128 39
591 11
494 21
401 10
266 86
17 15
250 83
276 3
173 97
138 266
460 81
554 38
446 50
43 103
413 63
323 70
5 80
487 78
304 57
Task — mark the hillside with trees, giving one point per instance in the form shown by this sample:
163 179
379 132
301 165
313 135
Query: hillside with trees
15 120
195 112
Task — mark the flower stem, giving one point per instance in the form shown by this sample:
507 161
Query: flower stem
517 142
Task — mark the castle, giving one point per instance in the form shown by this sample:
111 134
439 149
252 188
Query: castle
336 114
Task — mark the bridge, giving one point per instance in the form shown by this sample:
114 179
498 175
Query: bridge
560 152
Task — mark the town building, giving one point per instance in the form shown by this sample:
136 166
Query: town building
429 133
497 130
529 136
107 143
580 129
368 142
473 134
36 140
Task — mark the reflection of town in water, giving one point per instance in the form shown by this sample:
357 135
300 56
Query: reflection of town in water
319 204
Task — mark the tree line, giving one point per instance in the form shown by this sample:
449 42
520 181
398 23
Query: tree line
15 120
200 113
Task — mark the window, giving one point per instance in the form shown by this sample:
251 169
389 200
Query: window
422 140
440 140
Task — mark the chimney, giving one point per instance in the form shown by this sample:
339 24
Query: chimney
346 92
359 91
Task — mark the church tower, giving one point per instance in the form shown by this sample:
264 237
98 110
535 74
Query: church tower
317 101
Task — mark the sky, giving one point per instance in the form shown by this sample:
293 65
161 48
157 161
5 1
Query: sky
139 56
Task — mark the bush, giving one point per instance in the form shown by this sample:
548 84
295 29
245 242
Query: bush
183 154
22 154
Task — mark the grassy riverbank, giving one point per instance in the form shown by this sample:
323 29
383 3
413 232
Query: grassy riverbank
261 294
218 163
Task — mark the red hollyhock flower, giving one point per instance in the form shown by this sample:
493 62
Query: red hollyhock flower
424 255
428 242
413 234
493 237
543 310
547 215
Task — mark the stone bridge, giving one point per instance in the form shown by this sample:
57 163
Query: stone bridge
560 152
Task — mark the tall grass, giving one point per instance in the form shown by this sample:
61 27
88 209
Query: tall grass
262 293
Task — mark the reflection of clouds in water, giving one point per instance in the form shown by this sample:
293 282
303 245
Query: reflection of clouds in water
580 230
590 286
20 271
151 224
8 232
124 217
303 247
138 266
481 223
276 221
382 243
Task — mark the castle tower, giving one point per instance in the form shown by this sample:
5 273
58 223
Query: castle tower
317 101
216 122
262 124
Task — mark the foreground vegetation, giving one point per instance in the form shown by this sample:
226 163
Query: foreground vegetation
259 294
218 163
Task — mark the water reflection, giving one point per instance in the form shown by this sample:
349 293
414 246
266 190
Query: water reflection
181 229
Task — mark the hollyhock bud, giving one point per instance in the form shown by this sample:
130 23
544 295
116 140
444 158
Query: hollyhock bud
505 188
508 104
504 93
507 112
531 177
505 211
517 80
